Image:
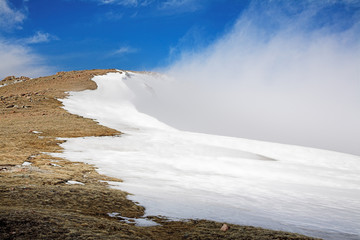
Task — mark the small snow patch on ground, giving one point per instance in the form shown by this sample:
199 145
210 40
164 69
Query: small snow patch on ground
141 222
74 182
112 183
55 165
26 164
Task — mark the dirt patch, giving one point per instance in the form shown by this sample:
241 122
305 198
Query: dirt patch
39 199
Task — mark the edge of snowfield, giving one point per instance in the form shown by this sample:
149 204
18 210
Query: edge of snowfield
181 174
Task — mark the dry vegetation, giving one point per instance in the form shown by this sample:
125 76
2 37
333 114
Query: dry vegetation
36 201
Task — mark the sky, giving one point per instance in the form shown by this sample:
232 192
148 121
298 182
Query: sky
273 70
62 35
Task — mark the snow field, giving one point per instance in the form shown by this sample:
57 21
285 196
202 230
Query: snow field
191 175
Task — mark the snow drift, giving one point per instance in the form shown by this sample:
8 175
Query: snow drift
191 175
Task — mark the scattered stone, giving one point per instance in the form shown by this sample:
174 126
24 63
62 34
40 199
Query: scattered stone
13 79
8 78
6 167
224 227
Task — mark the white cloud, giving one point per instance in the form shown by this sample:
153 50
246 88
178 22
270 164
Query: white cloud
183 5
171 4
39 37
167 6
111 16
180 6
121 2
20 61
124 50
128 3
9 18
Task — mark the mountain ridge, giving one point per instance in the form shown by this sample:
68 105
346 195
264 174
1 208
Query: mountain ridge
39 197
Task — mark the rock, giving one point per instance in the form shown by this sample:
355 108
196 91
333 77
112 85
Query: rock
224 227
8 78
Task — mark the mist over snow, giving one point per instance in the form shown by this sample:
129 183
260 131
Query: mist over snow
288 71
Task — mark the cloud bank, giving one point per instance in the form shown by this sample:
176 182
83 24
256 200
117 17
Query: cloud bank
287 72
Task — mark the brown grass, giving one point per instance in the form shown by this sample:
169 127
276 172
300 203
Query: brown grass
36 202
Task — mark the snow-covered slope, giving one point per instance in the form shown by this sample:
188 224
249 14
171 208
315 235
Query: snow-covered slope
190 175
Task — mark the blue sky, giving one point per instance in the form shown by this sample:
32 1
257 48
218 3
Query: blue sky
40 36
128 34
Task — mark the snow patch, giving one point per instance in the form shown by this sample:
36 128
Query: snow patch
7 84
54 165
70 182
141 222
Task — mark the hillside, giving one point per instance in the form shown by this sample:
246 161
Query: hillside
39 195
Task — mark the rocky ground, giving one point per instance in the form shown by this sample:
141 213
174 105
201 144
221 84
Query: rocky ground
37 201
